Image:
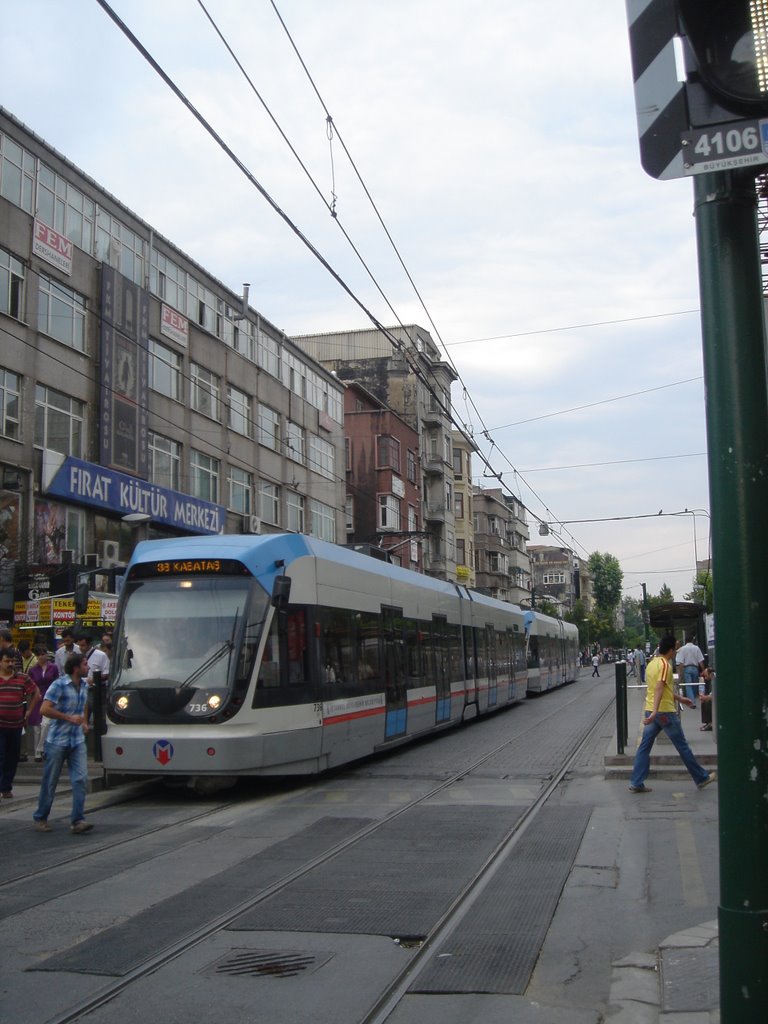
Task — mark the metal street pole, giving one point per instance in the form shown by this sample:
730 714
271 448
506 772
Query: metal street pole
737 428
646 618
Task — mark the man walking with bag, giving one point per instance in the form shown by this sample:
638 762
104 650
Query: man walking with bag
661 713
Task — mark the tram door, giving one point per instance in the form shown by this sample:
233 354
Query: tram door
396 717
492 665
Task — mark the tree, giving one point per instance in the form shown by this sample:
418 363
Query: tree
607 579
702 590
664 596
546 607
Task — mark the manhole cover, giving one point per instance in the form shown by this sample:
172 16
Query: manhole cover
267 963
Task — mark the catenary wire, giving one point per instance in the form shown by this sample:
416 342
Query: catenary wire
575 327
461 427
260 188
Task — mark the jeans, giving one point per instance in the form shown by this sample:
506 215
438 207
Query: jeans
670 723
691 676
10 749
77 762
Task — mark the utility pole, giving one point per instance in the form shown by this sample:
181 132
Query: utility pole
735 375
646 619
705 116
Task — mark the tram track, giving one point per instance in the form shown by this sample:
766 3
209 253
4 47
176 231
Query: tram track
460 905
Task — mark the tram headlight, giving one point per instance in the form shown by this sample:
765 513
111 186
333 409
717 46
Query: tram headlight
122 703
214 701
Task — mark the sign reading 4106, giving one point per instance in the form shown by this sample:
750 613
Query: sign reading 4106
725 146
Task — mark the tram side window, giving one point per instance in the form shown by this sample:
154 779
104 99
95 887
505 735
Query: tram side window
518 652
414 653
337 647
455 662
482 653
298 669
368 667
269 669
469 653
533 652
502 656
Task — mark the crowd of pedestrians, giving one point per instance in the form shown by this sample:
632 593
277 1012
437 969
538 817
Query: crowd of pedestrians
45 701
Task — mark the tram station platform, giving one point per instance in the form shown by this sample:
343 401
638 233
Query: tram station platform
679 982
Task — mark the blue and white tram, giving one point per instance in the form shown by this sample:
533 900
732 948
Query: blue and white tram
282 654
553 656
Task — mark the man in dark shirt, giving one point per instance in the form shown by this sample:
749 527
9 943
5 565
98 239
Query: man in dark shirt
18 696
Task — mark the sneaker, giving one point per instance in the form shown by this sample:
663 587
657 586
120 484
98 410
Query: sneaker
42 826
7 794
80 827
711 778
640 789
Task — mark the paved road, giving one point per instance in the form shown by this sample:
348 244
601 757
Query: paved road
639 870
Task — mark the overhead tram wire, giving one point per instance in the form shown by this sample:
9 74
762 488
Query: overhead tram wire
205 124
331 207
208 127
397 345
602 401
574 327
459 426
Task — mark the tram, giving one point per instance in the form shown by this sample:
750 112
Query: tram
286 655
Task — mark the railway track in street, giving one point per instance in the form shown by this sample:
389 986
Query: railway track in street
420 945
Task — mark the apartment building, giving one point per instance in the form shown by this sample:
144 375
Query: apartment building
136 388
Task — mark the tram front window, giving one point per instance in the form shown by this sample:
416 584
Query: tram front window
180 643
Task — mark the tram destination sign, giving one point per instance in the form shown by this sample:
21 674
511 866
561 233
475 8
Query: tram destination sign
189 567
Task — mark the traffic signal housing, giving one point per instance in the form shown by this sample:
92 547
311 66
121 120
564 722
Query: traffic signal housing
700 70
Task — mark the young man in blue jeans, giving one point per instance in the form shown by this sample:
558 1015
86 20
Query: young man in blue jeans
661 714
66 705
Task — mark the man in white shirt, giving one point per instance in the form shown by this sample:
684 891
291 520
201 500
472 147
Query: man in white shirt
640 662
690 659
65 648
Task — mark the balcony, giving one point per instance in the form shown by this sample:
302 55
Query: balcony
434 512
433 465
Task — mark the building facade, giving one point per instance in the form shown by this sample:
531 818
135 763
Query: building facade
383 471
500 535
463 448
136 388
561 577
403 369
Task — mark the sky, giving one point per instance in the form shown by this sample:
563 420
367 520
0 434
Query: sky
498 142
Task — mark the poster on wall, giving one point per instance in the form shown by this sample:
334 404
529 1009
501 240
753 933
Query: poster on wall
124 349
9 526
50 532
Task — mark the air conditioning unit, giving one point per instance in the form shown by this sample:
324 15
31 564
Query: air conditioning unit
109 554
251 524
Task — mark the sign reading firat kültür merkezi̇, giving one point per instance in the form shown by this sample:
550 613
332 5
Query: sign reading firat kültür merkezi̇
120 494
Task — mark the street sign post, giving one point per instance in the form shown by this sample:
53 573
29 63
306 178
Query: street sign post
701 91
700 70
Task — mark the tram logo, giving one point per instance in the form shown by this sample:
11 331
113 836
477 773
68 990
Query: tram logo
163 751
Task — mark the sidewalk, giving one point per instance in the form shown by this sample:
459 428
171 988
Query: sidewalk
26 787
646 988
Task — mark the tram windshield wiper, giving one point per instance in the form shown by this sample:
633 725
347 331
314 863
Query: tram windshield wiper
226 648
